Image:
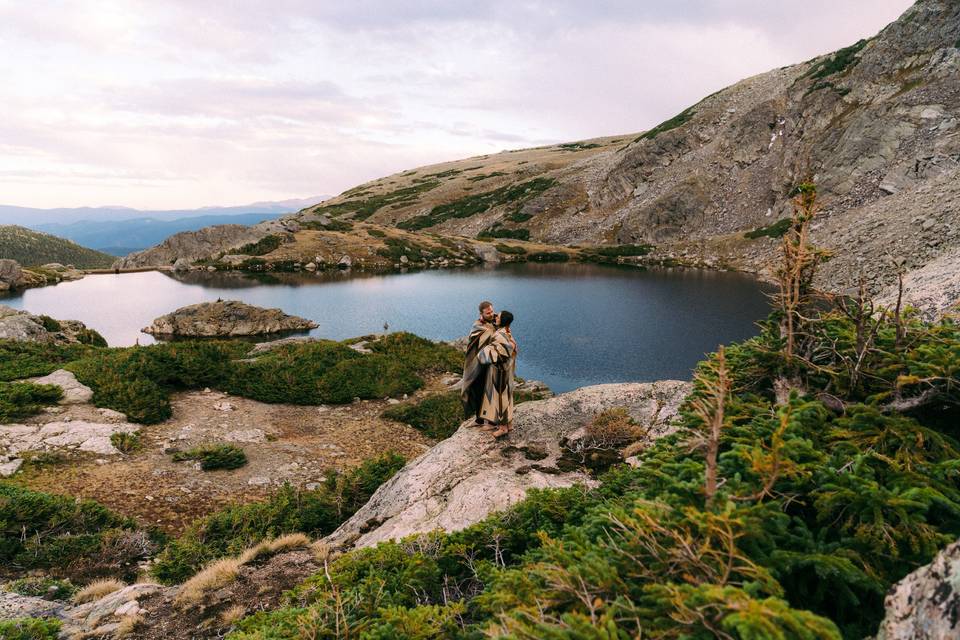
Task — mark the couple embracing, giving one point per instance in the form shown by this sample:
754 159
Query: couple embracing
487 387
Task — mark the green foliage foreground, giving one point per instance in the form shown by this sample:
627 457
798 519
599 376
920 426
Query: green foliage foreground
78 539
826 500
138 381
29 629
21 399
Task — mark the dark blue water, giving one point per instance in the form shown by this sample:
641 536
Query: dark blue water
575 324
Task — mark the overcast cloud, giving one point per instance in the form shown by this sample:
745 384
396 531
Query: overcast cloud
184 103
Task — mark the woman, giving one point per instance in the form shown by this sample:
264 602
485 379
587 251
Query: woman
500 354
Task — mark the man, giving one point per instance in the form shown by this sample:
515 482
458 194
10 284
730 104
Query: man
500 357
474 373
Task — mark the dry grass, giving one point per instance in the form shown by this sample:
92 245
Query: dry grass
286 542
634 448
128 624
96 590
229 616
321 551
289 542
220 573
252 553
613 429
215 575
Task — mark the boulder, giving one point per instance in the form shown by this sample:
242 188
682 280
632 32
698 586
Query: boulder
469 475
92 437
926 604
26 327
8 466
14 605
226 318
74 392
181 264
11 275
487 252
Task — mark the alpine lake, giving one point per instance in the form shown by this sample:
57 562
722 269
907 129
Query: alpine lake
575 325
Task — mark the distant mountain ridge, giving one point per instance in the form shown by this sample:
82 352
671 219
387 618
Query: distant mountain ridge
31 217
120 237
32 248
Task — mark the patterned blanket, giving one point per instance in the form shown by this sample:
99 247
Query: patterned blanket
500 358
474 373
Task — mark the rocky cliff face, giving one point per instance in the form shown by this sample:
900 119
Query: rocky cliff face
195 245
926 604
466 477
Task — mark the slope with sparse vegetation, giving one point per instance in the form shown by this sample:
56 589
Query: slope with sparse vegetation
32 248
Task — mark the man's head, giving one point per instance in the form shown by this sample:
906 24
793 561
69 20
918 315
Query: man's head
505 319
486 311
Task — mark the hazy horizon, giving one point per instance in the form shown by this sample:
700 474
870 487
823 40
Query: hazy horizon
181 105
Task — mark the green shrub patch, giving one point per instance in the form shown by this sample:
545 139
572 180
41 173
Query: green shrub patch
138 381
214 456
509 250
22 399
516 194
611 254
48 588
233 529
364 208
503 232
30 629
438 415
548 256
261 247
65 536
775 230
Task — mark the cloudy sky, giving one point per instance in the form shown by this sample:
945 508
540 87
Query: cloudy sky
185 103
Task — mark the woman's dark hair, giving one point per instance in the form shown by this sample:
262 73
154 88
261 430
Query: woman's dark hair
505 318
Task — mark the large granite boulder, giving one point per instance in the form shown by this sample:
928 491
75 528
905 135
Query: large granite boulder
74 391
10 274
926 604
27 327
470 475
226 318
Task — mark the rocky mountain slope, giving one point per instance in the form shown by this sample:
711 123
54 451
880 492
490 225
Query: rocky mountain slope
32 248
874 125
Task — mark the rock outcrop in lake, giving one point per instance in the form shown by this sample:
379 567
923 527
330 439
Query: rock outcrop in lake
470 475
226 318
926 604
27 327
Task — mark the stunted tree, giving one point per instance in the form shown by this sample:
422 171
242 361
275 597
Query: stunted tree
714 385
798 265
